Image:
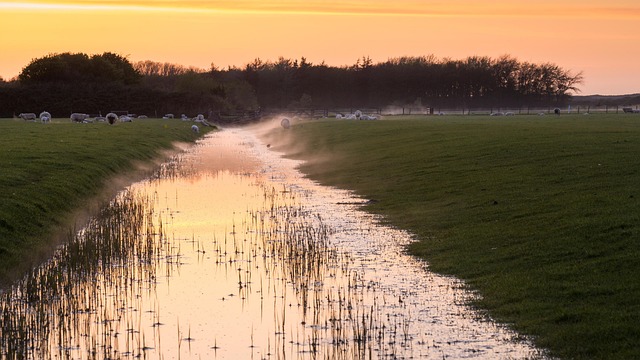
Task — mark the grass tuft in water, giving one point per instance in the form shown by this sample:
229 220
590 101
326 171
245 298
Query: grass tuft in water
50 171
539 214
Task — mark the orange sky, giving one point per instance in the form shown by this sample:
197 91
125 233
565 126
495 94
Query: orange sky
599 38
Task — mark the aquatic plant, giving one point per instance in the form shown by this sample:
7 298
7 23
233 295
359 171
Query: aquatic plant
273 262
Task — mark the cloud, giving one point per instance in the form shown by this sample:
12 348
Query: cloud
453 8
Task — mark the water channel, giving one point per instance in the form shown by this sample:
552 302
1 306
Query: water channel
228 252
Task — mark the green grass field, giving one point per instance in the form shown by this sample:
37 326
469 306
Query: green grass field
48 172
540 215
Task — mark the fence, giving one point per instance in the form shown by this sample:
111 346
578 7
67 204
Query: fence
412 110
576 109
248 116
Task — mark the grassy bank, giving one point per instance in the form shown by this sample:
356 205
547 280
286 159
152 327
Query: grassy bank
50 171
541 215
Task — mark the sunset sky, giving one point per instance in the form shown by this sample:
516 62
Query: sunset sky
599 38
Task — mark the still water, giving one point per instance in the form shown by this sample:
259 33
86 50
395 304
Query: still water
227 252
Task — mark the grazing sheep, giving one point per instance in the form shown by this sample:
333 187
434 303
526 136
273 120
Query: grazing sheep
168 116
285 123
509 113
79 117
339 116
195 128
101 118
368 117
28 116
125 118
142 117
45 117
541 114
111 118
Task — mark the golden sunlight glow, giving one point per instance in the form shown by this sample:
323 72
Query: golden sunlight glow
598 38
433 8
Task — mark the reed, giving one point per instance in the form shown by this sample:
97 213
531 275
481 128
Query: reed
87 301
50 171
537 214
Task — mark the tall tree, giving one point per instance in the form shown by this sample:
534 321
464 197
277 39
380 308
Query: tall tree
79 68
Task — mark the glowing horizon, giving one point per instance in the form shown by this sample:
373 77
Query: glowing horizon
589 36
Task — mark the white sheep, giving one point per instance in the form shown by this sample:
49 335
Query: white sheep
168 116
111 118
45 117
78 117
184 117
28 116
339 116
358 114
199 118
195 128
125 118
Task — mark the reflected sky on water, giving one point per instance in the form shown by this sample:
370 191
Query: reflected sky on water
227 252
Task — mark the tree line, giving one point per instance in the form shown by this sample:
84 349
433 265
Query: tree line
76 82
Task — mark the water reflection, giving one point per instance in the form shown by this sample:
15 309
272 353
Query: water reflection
227 252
